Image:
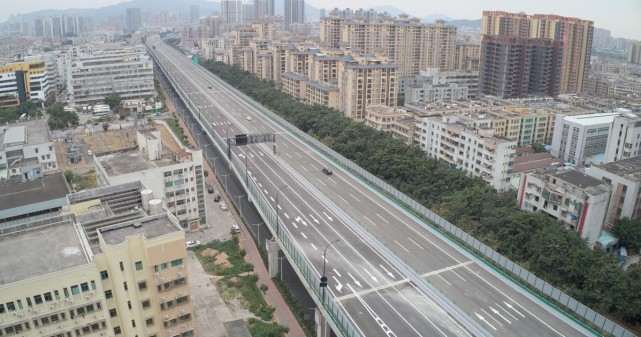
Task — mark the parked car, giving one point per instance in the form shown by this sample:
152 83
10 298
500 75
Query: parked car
89 153
248 118
210 189
235 228
192 243
217 198
223 206
327 171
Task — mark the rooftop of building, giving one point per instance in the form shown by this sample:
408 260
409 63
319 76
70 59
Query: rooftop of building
592 119
578 178
129 162
149 227
629 168
39 250
29 132
535 161
21 194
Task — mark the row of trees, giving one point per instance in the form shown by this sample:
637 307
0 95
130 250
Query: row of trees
533 240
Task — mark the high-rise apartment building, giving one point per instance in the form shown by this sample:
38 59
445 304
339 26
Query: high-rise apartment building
634 52
263 8
232 12
412 45
574 34
194 12
134 19
294 12
40 26
513 66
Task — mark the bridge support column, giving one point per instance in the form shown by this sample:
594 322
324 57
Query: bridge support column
272 257
322 326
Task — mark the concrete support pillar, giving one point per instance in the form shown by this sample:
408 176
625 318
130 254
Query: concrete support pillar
322 326
272 257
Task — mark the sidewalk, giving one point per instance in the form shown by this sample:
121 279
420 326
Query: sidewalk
283 315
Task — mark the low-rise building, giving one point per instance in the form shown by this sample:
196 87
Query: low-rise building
434 85
582 139
23 81
577 200
624 140
624 177
175 176
473 150
130 280
394 121
26 150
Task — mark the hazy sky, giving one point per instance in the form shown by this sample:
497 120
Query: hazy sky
622 17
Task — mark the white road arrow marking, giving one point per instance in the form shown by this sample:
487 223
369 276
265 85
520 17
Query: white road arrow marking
355 281
335 271
511 307
370 275
287 216
315 220
328 217
388 273
303 222
507 312
338 286
486 322
498 313
492 317
297 219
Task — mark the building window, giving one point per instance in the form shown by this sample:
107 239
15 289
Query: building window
177 262
104 275
84 286
117 331
75 290
163 266
133 323
108 294
122 266
37 299
93 285
113 313
129 305
48 297
142 285
124 284
146 304
155 269
139 265
149 321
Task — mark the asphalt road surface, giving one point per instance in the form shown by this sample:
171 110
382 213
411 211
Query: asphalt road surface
371 286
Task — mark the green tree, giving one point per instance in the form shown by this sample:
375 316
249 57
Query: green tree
113 100
538 148
51 98
68 176
629 233
59 118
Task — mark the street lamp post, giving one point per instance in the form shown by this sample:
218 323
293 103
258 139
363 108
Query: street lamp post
323 281
225 176
240 204
277 193
281 268
258 231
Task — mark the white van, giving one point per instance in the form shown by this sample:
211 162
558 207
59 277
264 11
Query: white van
235 228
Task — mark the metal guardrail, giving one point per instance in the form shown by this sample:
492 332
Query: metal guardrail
571 305
300 261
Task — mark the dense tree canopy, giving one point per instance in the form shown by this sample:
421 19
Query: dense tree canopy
61 119
533 240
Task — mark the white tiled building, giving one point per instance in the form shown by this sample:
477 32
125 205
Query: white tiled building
91 77
572 197
625 138
177 177
474 150
26 150
580 139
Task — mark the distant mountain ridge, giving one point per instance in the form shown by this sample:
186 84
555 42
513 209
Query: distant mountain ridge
100 14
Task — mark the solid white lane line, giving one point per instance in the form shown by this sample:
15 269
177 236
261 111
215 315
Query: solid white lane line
407 250
345 201
438 271
303 167
368 219
320 181
332 180
337 273
442 278
378 215
355 197
416 243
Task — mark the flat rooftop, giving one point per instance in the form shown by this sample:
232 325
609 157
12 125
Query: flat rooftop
40 251
578 179
631 168
26 133
48 188
150 227
129 162
593 119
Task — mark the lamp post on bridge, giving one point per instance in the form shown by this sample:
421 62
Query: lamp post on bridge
323 280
